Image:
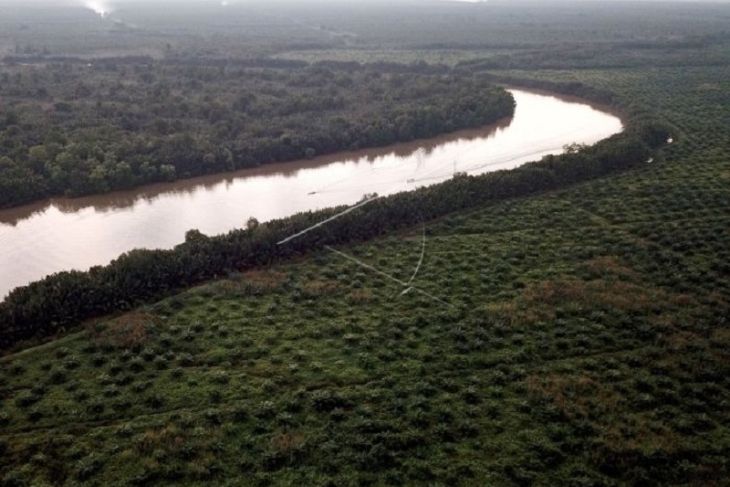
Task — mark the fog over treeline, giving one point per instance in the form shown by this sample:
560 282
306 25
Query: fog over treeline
256 28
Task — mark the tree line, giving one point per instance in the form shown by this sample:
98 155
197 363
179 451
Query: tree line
74 129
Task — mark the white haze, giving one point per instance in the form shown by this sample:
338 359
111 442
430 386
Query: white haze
101 7
106 7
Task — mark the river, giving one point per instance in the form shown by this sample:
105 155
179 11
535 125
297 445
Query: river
63 234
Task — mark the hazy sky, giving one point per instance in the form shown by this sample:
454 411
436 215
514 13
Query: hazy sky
106 6
120 2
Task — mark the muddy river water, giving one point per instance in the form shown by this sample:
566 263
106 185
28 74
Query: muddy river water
63 234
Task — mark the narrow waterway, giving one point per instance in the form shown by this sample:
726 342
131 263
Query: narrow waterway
63 234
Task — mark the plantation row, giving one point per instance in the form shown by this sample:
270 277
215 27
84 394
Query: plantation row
46 307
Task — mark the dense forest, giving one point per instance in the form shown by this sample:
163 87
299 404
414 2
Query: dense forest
78 128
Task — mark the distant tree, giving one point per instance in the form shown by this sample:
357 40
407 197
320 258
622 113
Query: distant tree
252 223
574 148
194 236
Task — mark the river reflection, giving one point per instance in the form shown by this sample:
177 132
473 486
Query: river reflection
61 234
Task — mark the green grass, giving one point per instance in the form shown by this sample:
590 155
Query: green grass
585 342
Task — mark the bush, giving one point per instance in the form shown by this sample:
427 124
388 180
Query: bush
26 399
240 414
95 407
35 415
326 401
154 401
136 365
57 377
266 410
88 467
71 363
160 363
98 360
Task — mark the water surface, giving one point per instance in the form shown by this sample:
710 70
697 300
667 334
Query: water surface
63 234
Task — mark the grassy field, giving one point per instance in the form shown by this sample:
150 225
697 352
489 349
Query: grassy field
576 338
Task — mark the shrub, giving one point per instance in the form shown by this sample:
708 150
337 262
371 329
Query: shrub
215 396
62 352
240 414
16 369
81 396
115 367
220 377
160 363
122 405
26 399
154 401
266 410
111 391
57 377
98 360
88 467
471 395
35 415
213 416
95 407
137 364
468 428
326 401
71 363
148 354
186 360
124 379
